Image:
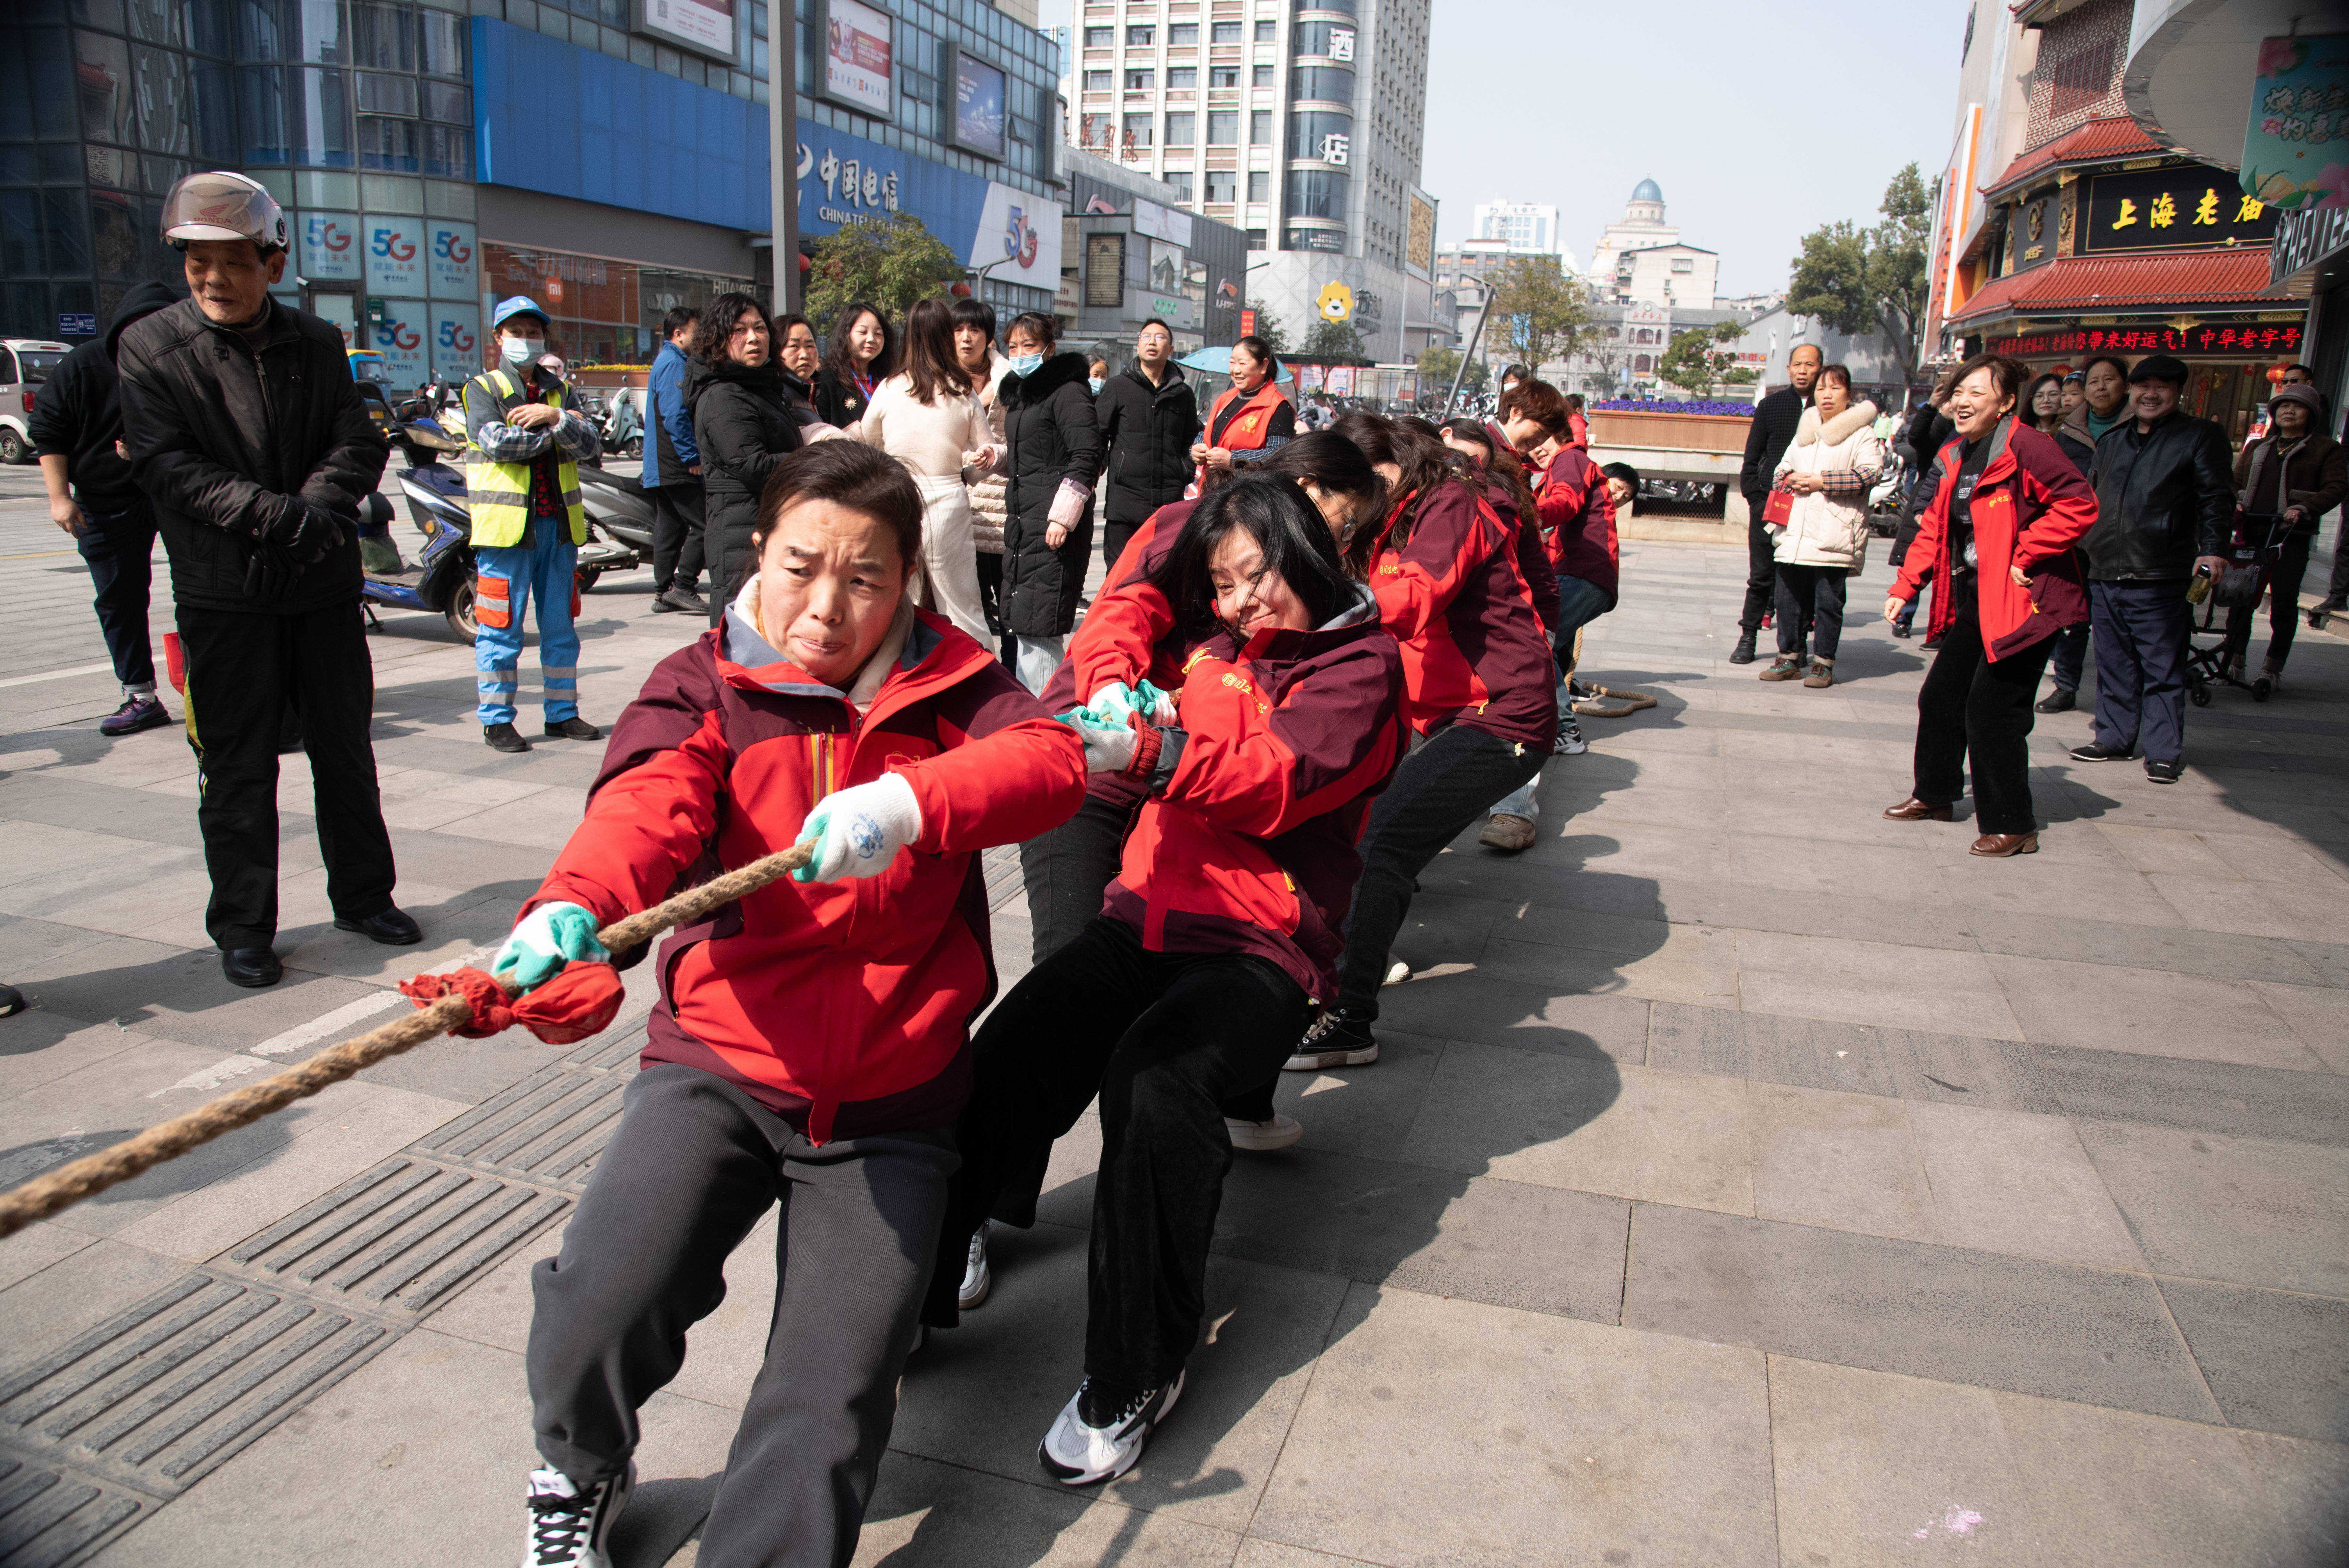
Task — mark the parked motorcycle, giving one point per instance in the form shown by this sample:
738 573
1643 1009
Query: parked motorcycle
1886 496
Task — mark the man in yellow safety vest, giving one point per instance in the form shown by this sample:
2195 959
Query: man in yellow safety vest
524 446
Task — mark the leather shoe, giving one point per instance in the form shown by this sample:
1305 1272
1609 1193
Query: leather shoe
573 728
251 966
1742 654
503 737
2060 700
1912 809
393 927
1997 846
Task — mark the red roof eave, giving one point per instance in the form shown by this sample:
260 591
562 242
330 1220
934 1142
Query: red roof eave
2117 136
2100 284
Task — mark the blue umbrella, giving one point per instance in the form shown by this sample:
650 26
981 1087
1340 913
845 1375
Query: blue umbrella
1218 362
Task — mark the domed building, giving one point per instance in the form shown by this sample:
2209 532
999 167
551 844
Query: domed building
1640 261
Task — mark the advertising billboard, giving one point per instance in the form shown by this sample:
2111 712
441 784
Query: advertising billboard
396 249
979 123
456 272
703 26
330 248
858 55
2293 154
404 338
456 340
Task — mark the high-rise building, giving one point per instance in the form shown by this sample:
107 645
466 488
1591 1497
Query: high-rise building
1300 121
1522 226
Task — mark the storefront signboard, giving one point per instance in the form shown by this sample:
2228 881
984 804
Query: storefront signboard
2192 206
1013 234
330 248
2250 339
859 47
396 250
2296 146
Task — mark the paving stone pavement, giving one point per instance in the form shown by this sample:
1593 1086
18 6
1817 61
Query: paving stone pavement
1747 1180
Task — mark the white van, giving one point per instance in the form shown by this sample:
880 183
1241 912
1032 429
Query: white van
25 364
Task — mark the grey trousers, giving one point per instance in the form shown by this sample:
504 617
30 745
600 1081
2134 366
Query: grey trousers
694 1165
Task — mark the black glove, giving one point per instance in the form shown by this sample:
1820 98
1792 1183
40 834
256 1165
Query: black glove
271 575
305 533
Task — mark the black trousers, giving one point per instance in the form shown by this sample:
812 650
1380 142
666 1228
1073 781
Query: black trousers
244 671
1810 596
1439 789
120 549
1970 710
1115 537
2284 603
990 588
1164 1038
677 535
1761 566
732 561
693 1166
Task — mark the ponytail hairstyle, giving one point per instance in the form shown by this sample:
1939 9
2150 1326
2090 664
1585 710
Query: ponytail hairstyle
1261 351
1427 465
1282 519
1333 463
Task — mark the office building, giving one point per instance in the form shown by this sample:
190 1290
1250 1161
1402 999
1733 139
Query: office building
1521 226
1129 254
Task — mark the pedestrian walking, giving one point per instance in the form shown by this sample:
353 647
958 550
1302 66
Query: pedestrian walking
2102 404
1775 419
672 472
1149 418
928 419
246 432
1189 987
1052 453
744 423
1249 420
524 442
811 1052
77 425
1828 471
2165 506
1480 689
2297 473
974 333
863 352
1998 538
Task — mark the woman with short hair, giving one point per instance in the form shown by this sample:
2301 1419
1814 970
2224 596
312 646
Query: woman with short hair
2045 403
1052 454
1833 459
927 419
746 420
863 353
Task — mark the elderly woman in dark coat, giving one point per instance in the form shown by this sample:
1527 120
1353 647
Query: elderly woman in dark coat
1053 452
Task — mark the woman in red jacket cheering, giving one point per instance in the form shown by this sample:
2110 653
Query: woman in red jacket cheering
809 1043
1221 927
2000 534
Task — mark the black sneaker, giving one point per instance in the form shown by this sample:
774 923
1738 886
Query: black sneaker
1930 644
573 728
1742 654
2163 772
2097 751
2060 700
11 1001
571 1525
1334 1041
1101 1431
683 599
503 737
136 714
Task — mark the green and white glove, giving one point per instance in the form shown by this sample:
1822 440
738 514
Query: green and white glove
1117 703
1109 742
549 937
857 832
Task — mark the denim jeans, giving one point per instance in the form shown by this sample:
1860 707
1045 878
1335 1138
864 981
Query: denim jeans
119 548
1813 594
1579 604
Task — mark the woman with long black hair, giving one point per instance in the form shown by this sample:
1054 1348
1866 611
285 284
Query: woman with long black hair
1222 922
927 418
1052 453
863 353
1250 419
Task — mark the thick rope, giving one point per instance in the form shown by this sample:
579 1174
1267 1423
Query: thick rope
69 1184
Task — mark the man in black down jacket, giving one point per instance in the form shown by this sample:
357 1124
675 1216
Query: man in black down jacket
1149 415
246 431
2165 500
76 418
1775 419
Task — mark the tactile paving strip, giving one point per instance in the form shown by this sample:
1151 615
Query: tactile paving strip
50 1515
547 1128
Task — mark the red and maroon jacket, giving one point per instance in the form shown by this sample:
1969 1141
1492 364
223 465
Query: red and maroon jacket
2029 508
1473 651
1248 845
845 1004
1533 564
1578 514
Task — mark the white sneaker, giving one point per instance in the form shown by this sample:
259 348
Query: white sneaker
569 1526
976 1281
1263 1137
1569 742
1078 1454
1397 973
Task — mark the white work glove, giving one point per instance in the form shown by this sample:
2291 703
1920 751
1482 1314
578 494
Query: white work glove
1109 742
857 832
549 937
1117 703
1069 501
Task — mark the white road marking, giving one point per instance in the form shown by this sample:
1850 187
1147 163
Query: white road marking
56 674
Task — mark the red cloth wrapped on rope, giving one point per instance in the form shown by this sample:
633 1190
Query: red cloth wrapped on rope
581 1001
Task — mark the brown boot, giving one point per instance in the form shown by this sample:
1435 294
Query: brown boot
1912 809
1785 667
1822 674
1999 846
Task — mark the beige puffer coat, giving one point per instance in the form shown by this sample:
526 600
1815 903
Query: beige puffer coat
1826 529
987 494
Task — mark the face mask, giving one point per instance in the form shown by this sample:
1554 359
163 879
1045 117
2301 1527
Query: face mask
520 350
1095 383
1026 363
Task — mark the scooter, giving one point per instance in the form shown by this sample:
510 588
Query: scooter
1885 497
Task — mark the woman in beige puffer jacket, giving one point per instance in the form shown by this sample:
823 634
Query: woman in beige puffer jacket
1835 458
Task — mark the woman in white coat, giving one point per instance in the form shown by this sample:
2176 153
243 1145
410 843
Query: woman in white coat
1835 458
928 419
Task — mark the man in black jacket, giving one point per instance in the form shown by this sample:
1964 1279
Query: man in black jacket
1775 419
76 420
2165 498
1149 417
246 431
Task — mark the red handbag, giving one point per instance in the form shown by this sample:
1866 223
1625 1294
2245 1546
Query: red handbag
1778 507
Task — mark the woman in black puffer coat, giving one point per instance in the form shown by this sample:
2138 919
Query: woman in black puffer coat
1053 451
746 419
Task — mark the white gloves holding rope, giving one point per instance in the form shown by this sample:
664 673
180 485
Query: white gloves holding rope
1109 728
857 832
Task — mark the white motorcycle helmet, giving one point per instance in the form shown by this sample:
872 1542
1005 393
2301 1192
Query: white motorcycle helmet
219 205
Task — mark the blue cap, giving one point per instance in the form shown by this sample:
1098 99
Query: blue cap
518 305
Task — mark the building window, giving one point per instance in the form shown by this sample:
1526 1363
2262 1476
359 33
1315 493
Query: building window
1264 75
1181 77
1268 32
1141 37
1223 186
1260 185
1099 37
1180 178
1224 32
1141 81
1137 130
1097 133
1182 130
1256 240
1222 127
1183 35
1260 128
1683 263
1099 81
1223 75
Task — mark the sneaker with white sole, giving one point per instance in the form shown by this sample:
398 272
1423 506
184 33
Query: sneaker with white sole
571 1525
1334 1041
1099 1434
976 1281
1570 741
1264 1137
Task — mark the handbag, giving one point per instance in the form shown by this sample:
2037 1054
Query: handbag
1779 509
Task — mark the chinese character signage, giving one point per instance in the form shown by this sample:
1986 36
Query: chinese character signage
2188 207
396 249
857 49
330 247
2296 147
403 337
2251 340
455 274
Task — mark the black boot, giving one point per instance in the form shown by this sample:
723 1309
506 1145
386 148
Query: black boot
1742 654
